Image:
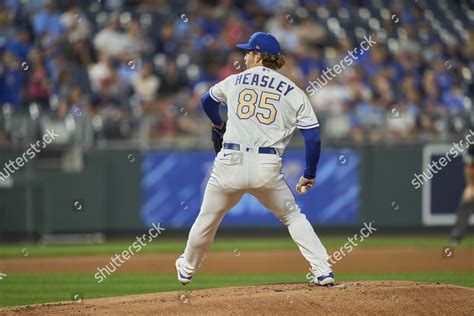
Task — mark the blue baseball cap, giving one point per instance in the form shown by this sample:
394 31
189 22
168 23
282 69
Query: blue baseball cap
262 42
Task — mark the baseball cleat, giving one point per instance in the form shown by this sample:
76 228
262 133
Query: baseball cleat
183 276
325 280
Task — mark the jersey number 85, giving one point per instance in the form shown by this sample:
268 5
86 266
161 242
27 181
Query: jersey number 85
248 106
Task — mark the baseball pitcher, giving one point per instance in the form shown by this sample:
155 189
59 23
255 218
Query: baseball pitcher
264 109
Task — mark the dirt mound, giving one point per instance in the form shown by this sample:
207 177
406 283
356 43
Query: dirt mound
351 298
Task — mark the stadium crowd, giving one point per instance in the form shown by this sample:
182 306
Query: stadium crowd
136 69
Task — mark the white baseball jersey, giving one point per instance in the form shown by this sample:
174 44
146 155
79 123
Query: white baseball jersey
264 108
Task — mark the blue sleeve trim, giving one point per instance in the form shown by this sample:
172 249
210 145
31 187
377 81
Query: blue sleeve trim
212 95
211 107
312 142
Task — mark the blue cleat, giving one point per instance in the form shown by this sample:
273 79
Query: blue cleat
325 280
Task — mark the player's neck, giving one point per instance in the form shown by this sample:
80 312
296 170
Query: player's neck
257 65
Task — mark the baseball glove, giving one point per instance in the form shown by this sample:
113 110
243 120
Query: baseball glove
218 137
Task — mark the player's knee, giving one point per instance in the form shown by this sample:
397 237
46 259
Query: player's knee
288 218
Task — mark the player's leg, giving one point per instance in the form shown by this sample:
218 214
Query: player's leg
464 210
466 205
216 203
280 200
223 191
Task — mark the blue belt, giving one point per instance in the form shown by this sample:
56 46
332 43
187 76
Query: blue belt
261 150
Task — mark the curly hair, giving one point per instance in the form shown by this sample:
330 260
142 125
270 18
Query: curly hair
274 62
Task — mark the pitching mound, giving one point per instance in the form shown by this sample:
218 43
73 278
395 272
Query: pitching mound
375 297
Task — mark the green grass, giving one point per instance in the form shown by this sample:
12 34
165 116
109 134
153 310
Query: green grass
26 288
163 244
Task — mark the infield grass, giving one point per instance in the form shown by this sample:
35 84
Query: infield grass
163 244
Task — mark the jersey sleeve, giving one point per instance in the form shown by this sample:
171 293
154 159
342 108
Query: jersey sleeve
218 91
306 118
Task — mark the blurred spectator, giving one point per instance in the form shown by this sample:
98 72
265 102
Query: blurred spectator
22 45
134 41
146 84
10 80
128 67
81 54
310 59
81 57
75 103
76 23
234 30
172 80
235 64
5 21
47 24
431 90
441 75
338 126
100 71
382 88
370 118
422 65
292 71
63 85
409 42
281 26
454 100
119 87
105 101
165 42
311 32
110 40
402 122
55 65
39 83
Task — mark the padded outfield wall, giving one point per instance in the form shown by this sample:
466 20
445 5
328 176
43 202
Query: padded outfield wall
124 191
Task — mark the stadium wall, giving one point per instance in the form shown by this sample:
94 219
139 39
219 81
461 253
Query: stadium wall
107 196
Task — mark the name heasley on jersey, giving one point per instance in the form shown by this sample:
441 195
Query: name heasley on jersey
264 81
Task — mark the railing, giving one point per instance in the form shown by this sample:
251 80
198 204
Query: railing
110 129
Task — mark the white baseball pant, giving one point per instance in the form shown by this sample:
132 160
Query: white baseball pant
238 172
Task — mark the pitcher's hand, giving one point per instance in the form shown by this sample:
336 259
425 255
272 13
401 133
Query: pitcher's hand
304 185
